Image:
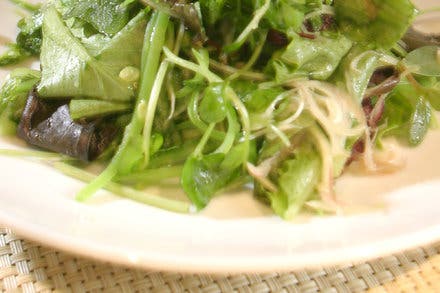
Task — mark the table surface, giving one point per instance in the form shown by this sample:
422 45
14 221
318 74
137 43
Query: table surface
26 266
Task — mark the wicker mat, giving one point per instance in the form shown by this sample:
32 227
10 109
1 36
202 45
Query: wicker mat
29 267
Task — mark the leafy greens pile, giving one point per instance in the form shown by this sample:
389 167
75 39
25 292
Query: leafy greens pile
283 94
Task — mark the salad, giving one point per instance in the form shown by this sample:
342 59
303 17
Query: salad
280 96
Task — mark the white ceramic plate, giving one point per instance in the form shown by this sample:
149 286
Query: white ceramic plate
235 234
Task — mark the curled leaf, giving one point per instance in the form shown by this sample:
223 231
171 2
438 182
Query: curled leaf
49 125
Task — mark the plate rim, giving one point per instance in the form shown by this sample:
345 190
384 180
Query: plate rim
111 254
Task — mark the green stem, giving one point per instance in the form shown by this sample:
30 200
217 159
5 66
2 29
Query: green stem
226 69
259 13
229 92
195 119
173 156
151 110
151 52
244 116
211 77
26 5
233 129
203 141
255 55
152 176
27 153
126 192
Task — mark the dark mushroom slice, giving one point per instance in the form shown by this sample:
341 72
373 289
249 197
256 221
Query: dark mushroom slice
48 125
415 39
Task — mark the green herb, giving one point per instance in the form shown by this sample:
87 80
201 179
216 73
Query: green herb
425 60
95 77
214 95
375 22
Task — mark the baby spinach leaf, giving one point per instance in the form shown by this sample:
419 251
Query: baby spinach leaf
419 123
212 106
407 115
429 88
425 60
377 22
205 175
285 15
316 59
69 70
202 177
258 100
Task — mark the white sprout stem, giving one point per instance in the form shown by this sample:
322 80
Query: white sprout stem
284 139
259 13
254 57
259 173
151 110
354 65
271 108
230 94
326 185
233 128
169 86
203 141
326 123
368 158
298 112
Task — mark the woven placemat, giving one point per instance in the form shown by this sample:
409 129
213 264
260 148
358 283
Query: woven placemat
29 267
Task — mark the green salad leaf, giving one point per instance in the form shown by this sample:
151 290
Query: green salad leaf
212 95
314 58
297 180
13 54
95 77
30 36
106 16
425 60
407 115
355 71
375 23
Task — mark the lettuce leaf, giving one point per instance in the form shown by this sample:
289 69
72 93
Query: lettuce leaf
106 16
297 179
69 70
